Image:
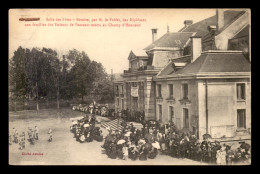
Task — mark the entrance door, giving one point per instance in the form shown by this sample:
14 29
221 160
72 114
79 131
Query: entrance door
135 103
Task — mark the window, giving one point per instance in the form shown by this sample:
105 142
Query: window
185 91
171 113
170 87
122 92
141 63
122 103
186 118
241 118
241 91
159 91
160 112
117 101
117 89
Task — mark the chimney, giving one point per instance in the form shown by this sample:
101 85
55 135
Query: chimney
196 47
154 34
188 22
220 19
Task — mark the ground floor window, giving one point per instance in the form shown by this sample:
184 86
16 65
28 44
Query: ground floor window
118 102
160 112
123 103
186 118
171 113
241 118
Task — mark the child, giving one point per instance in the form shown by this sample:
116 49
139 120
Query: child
50 134
125 152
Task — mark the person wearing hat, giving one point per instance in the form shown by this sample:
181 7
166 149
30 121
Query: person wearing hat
89 137
15 136
30 135
36 131
143 153
230 155
10 139
133 151
113 151
20 142
133 136
125 151
198 152
50 135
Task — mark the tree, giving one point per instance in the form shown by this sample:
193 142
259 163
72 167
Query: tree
17 75
54 70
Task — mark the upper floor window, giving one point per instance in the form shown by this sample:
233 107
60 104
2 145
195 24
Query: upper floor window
141 63
159 90
118 101
117 89
170 87
241 91
185 91
122 89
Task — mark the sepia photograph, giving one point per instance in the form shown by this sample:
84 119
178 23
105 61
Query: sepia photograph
114 86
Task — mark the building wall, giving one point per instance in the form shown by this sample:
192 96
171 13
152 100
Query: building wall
119 96
222 107
177 102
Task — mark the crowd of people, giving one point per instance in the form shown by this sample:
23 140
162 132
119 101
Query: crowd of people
134 116
96 109
84 129
165 138
130 143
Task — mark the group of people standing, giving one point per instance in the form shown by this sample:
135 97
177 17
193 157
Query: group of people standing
184 144
127 115
166 139
84 130
130 143
33 134
20 139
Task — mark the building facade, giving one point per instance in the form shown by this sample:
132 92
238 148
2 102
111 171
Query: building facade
198 78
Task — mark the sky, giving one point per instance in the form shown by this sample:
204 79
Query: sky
109 45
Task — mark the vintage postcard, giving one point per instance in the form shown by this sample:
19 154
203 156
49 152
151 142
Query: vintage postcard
129 86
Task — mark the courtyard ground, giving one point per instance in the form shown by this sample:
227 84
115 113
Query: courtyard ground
65 150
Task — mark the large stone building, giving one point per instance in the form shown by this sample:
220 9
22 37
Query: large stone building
199 77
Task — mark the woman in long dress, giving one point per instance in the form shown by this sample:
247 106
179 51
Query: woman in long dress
143 153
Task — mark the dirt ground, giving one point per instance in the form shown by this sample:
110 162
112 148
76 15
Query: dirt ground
65 150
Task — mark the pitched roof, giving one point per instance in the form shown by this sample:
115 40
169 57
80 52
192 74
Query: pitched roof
217 62
201 26
168 69
139 53
171 39
242 33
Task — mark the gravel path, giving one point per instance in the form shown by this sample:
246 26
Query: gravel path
65 150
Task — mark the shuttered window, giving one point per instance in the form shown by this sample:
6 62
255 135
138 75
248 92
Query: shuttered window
241 91
170 87
241 118
186 118
159 90
185 91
